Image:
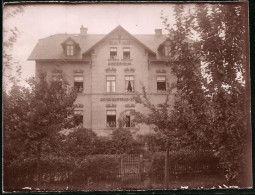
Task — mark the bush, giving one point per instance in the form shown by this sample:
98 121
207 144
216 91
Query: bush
123 142
95 168
194 162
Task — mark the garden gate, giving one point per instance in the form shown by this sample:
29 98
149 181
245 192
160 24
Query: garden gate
132 167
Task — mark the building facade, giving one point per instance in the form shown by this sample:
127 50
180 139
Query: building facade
107 70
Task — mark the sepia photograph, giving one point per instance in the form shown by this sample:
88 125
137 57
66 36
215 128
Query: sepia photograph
126 96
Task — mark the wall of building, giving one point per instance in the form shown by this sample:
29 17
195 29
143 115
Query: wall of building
69 70
120 100
95 98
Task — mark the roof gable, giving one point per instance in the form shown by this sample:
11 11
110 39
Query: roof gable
70 41
118 30
166 41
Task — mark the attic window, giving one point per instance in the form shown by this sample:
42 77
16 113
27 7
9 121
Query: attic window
126 53
113 52
167 50
69 50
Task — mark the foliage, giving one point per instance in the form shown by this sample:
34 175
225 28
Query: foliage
153 142
190 104
80 143
224 50
11 68
123 142
195 160
96 167
32 118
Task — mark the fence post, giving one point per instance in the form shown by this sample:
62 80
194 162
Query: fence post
140 167
121 168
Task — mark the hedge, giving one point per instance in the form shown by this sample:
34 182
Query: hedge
96 167
185 163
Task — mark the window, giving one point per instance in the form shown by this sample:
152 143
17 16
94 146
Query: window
78 83
126 53
57 80
111 118
161 83
128 120
78 117
129 85
113 52
69 50
167 50
110 84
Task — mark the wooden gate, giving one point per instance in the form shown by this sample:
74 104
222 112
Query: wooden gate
131 167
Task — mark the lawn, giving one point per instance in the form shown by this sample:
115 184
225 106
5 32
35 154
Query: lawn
190 183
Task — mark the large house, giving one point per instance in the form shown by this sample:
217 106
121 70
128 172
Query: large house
107 70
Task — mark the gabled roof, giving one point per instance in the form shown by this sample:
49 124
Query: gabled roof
50 48
121 28
72 40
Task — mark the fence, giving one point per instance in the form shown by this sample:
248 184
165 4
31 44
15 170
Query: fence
122 168
131 167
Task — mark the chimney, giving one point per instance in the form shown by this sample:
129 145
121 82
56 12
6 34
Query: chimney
158 31
83 31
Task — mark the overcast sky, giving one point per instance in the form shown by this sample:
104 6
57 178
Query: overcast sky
40 21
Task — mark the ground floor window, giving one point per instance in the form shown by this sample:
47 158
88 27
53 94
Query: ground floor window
111 118
78 117
128 120
78 83
161 83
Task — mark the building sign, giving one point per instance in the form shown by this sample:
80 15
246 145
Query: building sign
117 62
116 99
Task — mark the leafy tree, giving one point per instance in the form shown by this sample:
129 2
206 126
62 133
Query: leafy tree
123 142
190 105
179 125
33 118
161 119
80 143
11 68
223 31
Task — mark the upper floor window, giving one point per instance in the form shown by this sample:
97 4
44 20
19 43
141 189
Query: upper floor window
113 52
161 83
167 50
110 84
126 53
111 118
57 80
129 83
78 117
70 50
78 83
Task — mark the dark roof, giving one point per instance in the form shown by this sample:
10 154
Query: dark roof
50 48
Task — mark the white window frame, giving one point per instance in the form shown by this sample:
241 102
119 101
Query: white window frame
110 83
70 50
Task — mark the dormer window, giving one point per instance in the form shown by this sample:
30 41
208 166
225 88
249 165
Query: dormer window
69 50
167 50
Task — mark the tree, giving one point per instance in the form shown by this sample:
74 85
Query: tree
190 105
180 124
11 68
34 116
223 31
214 110
162 120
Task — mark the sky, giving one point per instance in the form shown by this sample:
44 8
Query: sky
40 21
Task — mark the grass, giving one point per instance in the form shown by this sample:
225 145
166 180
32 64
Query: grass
192 183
